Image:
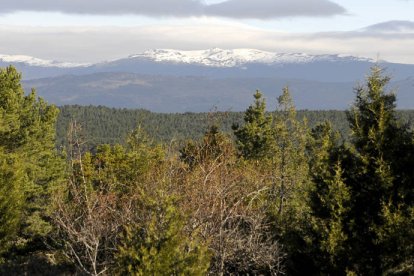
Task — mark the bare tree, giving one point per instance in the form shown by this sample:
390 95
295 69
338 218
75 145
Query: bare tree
88 217
224 200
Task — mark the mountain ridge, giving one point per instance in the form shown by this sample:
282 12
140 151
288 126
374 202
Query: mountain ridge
217 57
214 57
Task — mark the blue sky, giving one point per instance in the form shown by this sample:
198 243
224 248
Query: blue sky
95 30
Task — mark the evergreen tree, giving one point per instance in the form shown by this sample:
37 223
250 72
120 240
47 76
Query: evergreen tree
290 165
11 199
254 139
289 209
377 174
369 189
30 165
159 245
329 200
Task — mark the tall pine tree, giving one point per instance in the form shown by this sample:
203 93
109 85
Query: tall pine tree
29 163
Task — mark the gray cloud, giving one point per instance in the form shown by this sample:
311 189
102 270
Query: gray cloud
274 8
105 7
395 26
259 9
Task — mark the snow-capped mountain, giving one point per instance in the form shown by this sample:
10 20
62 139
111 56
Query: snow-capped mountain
237 57
32 61
211 57
178 81
214 63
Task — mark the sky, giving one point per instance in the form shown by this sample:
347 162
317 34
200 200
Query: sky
98 30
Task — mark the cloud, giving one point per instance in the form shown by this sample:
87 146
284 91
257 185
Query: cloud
274 8
258 9
92 44
395 26
105 7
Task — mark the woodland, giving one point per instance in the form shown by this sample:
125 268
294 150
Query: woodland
100 191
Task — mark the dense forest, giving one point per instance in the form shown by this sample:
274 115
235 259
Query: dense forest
99 191
104 125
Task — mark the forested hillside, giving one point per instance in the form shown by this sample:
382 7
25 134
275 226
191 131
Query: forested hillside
103 125
252 193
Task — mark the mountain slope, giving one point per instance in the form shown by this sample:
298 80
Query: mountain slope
195 93
181 81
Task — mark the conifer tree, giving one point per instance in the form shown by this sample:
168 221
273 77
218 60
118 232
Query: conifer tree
377 174
254 139
158 245
289 151
289 209
372 188
30 166
329 199
11 199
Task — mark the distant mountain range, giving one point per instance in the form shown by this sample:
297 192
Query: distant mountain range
238 57
166 80
212 57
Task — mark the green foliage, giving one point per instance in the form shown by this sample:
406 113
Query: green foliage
146 153
368 190
30 166
123 168
103 125
290 166
277 147
288 196
395 236
254 139
382 151
11 200
329 198
159 245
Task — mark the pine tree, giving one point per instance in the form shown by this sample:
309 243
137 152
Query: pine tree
329 200
30 165
372 188
289 152
289 209
254 139
378 174
11 199
159 245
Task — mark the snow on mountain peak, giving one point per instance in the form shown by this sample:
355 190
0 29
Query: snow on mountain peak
216 57
32 61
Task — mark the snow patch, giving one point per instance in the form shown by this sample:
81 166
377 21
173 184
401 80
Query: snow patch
32 61
238 57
